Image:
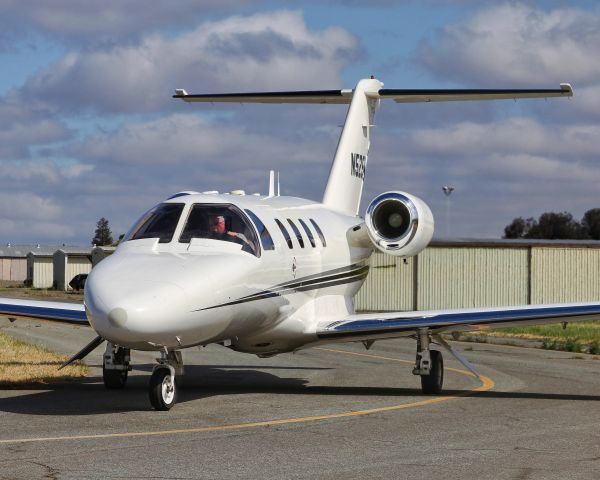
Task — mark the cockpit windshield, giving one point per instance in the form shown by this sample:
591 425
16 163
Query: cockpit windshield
160 222
220 222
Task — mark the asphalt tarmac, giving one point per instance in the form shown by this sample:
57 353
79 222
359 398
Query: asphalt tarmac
336 412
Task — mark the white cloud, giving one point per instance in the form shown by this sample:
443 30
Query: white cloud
93 22
517 44
26 206
272 50
188 141
516 135
501 170
25 124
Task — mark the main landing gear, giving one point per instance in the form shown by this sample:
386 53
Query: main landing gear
115 366
429 364
163 386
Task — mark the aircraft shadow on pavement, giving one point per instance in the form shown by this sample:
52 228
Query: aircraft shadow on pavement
89 397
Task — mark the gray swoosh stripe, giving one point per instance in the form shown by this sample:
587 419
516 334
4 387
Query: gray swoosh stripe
311 282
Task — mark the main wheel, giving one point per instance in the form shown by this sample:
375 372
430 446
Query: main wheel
114 379
163 390
432 383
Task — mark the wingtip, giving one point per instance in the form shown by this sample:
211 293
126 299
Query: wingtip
567 88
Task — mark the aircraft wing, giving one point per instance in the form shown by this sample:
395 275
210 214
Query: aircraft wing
371 326
56 311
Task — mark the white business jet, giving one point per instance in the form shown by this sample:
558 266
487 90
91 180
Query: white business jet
274 274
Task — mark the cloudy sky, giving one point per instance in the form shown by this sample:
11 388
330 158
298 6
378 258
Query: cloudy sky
89 128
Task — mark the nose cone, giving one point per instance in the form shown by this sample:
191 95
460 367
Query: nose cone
132 306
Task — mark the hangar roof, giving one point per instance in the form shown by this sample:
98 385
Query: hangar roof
512 243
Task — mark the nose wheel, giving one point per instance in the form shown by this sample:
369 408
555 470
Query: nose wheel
163 385
163 389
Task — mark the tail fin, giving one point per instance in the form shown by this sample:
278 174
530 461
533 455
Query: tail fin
347 174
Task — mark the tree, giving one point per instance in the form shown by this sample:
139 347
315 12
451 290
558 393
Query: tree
553 226
518 228
591 222
550 225
103 235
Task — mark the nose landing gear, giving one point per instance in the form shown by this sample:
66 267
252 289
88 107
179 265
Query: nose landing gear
163 385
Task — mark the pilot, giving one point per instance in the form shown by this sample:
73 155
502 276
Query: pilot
218 231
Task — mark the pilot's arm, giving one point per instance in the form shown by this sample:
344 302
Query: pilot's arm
241 236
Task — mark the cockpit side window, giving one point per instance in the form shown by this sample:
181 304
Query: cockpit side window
265 236
285 233
297 233
319 232
160 222
220 222
308 232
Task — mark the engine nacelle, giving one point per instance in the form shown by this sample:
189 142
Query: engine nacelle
399 224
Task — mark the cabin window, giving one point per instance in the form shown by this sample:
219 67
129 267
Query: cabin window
285 233
225 223
319 232
265 237
308 233
160 222
297 233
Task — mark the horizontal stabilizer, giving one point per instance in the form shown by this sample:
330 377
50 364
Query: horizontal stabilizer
398 95
412 96
306 96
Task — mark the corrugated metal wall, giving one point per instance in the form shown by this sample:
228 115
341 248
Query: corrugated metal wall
565 275
460 277
5 269
471 277
75 266
390 284
41 271
13 269
18 269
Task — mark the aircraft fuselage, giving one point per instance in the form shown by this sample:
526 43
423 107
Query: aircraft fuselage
266 298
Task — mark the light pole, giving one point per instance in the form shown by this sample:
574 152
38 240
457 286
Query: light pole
447 189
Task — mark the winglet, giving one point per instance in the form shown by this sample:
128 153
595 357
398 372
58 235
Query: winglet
180 92
567 88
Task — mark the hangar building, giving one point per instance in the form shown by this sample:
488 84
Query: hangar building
13 262
483 273
40 269
68 262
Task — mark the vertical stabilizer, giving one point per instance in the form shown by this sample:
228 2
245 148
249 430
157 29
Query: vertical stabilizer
346 178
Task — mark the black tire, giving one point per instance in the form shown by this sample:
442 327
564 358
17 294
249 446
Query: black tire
161 396
114 379
432 384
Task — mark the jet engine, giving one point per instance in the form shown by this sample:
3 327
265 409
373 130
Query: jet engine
399 224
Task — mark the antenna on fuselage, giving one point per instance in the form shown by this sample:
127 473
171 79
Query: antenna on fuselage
271 183
274 190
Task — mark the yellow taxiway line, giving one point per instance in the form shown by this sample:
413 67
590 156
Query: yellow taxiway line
486 384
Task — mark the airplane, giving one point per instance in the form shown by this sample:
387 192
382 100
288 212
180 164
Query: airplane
273 274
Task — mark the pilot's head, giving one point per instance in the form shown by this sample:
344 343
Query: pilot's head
218 224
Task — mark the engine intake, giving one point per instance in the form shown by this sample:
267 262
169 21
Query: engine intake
399 224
